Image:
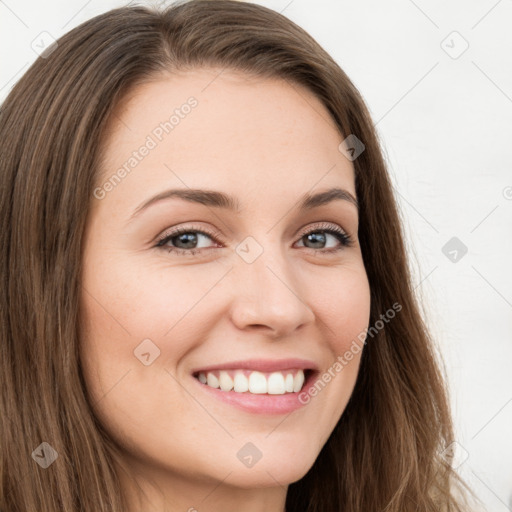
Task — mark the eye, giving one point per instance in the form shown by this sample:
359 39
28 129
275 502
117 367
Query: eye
184 241
188 236
320 235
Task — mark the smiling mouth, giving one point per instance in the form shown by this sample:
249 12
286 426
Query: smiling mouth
255 382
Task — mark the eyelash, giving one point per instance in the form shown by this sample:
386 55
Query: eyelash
343 238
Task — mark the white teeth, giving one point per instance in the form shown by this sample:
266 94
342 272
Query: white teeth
212 381
257 383
276 383
288 383
298 381
225 381
241 383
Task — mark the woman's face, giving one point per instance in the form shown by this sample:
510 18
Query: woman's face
266 288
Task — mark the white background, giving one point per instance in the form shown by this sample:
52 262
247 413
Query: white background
445 123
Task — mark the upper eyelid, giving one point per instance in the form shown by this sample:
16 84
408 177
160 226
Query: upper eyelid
174 231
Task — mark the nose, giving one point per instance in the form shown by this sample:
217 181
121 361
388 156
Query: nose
268 297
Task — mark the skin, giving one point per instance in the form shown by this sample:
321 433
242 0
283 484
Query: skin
267 143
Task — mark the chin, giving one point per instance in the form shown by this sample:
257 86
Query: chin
280 468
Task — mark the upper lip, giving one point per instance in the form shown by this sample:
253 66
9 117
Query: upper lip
262 365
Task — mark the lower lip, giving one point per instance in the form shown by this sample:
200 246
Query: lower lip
262 403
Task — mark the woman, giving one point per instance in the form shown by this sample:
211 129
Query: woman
246 370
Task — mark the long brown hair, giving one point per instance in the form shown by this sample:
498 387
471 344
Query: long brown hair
388 451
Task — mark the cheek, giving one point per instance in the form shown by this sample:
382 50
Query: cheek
342 311
127 303
123 308
140 300
342 305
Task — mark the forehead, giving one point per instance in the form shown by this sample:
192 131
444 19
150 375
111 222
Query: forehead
216 128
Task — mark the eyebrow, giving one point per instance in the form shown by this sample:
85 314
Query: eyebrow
218 199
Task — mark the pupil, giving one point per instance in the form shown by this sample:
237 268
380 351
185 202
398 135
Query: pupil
188 237
318 238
